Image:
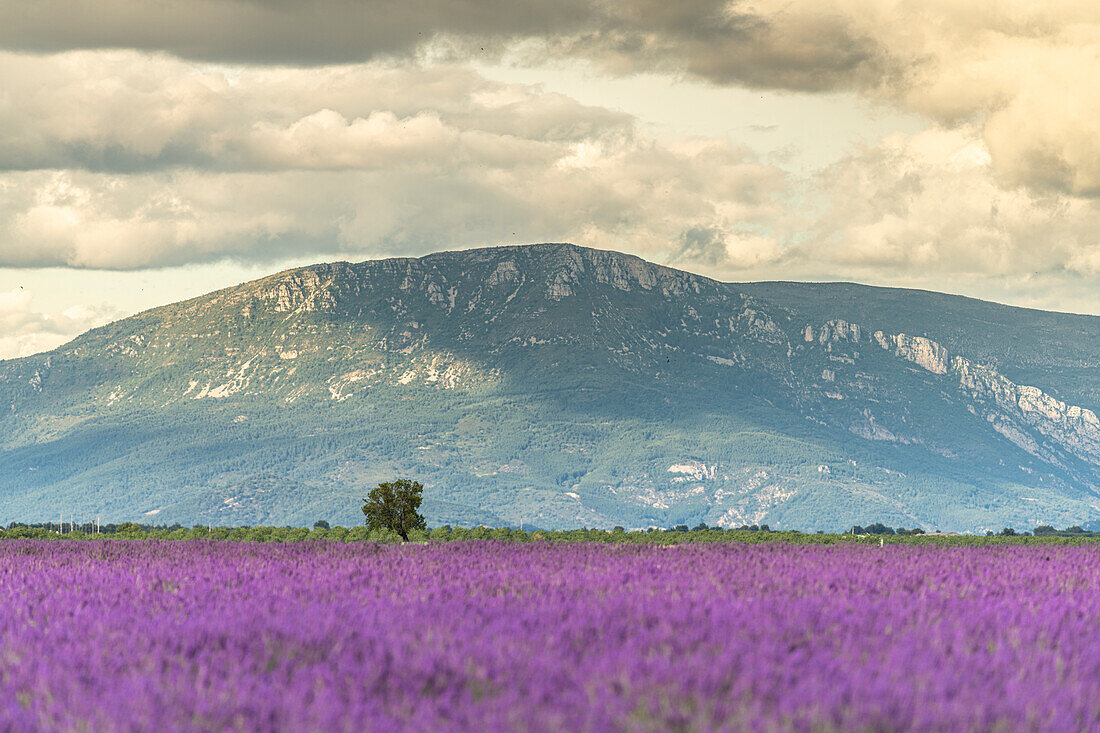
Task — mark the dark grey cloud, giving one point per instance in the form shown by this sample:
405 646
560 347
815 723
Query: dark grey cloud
705 245
276 31
720 41
731 43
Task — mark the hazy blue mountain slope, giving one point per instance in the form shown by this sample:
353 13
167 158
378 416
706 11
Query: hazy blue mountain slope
1055 350
559 386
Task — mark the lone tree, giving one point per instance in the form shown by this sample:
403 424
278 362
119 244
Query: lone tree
393 505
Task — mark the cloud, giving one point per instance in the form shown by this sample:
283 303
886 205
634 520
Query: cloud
310 32
127 112
931 202
718 249
1028 73
263 164
321 142
789 46
120 160
928 210
23 331
633 195
776 44
165 164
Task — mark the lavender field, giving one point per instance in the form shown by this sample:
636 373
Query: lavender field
544 637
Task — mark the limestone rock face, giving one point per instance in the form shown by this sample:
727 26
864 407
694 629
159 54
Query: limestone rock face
1010 409
302 290
760 326
560 285
624 273
1073 427
836 330
1027 416
923 352
503 274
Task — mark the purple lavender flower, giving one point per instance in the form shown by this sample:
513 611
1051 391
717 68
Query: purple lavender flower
119 636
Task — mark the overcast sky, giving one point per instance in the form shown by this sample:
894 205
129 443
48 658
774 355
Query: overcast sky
152 150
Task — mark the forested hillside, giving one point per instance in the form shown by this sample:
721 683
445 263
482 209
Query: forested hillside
560 386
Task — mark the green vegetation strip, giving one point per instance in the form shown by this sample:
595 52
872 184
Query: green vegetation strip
130 531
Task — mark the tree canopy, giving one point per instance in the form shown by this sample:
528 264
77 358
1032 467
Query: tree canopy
395 505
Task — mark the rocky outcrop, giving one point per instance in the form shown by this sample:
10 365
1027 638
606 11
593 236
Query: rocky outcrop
837 330
301 290
560 285
1075 428
569 265
1030 418
505 273
1013 410
759 326
623 273
870 429
923 352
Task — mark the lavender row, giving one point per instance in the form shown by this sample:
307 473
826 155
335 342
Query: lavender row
539 637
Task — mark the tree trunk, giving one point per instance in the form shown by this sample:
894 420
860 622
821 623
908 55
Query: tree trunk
404 535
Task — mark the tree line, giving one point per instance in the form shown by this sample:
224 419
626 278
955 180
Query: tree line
392 513
447 533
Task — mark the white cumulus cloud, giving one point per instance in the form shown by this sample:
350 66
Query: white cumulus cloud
168 164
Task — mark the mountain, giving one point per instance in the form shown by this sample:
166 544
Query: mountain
558 386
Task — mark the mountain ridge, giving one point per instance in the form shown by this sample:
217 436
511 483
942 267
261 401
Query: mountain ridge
749 391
